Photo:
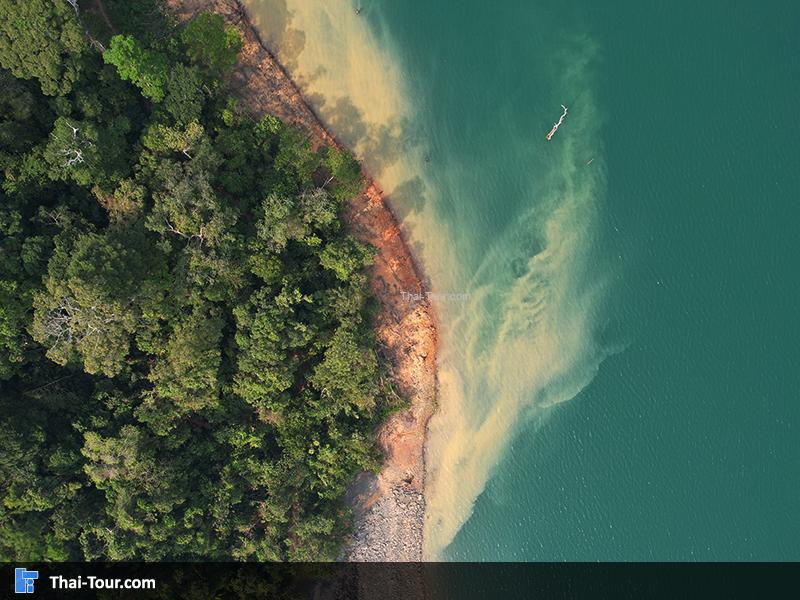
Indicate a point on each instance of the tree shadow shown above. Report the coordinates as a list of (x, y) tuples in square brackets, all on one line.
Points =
[(273, 21), (408, 198)]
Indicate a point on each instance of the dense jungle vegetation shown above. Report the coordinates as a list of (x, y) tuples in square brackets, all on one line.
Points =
[(187, 364)]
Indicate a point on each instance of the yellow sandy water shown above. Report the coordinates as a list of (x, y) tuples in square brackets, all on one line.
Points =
[(517, 344)]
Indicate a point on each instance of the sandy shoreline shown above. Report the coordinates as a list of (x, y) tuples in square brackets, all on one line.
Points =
[(389, 507)]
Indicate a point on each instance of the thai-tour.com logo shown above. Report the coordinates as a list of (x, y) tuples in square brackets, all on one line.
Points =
[(23, 580)]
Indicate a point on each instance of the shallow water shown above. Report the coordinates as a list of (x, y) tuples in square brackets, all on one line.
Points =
[(618, 365)]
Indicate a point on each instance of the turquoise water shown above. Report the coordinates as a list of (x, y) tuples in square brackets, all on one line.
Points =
[(621, 382)]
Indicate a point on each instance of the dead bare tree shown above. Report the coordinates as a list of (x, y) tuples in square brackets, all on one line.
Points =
[(69, 322), (200, 235), (74, 153), (53, 216), (75, 156), (92, 40)]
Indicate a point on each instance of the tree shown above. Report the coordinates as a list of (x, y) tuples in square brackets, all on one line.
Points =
[(187, 208), (280, 223), (184, 95), (126, 202), (85, 153), (347, 374), (15, 289), (88, 309), (13, 317), (310, 539), (210, 44), (145, 68), (42, 39), (72, 150), (188, 371), (161, 138), (142, 487), (295, 161), (39, 464), (335, 462), (345, 256), (22, 116), (346, 171), (270, 331)]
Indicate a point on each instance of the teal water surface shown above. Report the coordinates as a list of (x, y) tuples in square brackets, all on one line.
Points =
[(684, 445), (618, 308)]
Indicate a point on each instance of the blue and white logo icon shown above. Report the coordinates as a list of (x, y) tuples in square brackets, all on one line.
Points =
[(23, 580)]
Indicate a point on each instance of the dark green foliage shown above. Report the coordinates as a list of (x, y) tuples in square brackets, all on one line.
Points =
[(346, 171), (42, 39), (210, 44), (13, 318), (186, 365), (21, 116), (83, 152), (143, 19), (184, 99), (188, 372)]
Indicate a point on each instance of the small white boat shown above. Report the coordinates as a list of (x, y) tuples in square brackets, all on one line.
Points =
[(557, 125)]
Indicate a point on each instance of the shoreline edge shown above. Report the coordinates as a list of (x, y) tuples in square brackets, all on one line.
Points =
[(388, 507)]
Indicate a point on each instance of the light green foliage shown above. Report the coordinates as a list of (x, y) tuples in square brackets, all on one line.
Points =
[(270, 331), (346, 256), (146, 69), (188, 209), (346, 376), (125, 202), (301, 219), (177, 139), (210, 44), (140, 490), (188, 372), (118, 459), (311, 540), (41, 39), (280, 223)]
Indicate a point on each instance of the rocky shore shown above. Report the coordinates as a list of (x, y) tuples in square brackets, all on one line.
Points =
[(389, 506)]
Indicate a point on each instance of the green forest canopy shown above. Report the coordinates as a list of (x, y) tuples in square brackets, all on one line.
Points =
[(187, 367)]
